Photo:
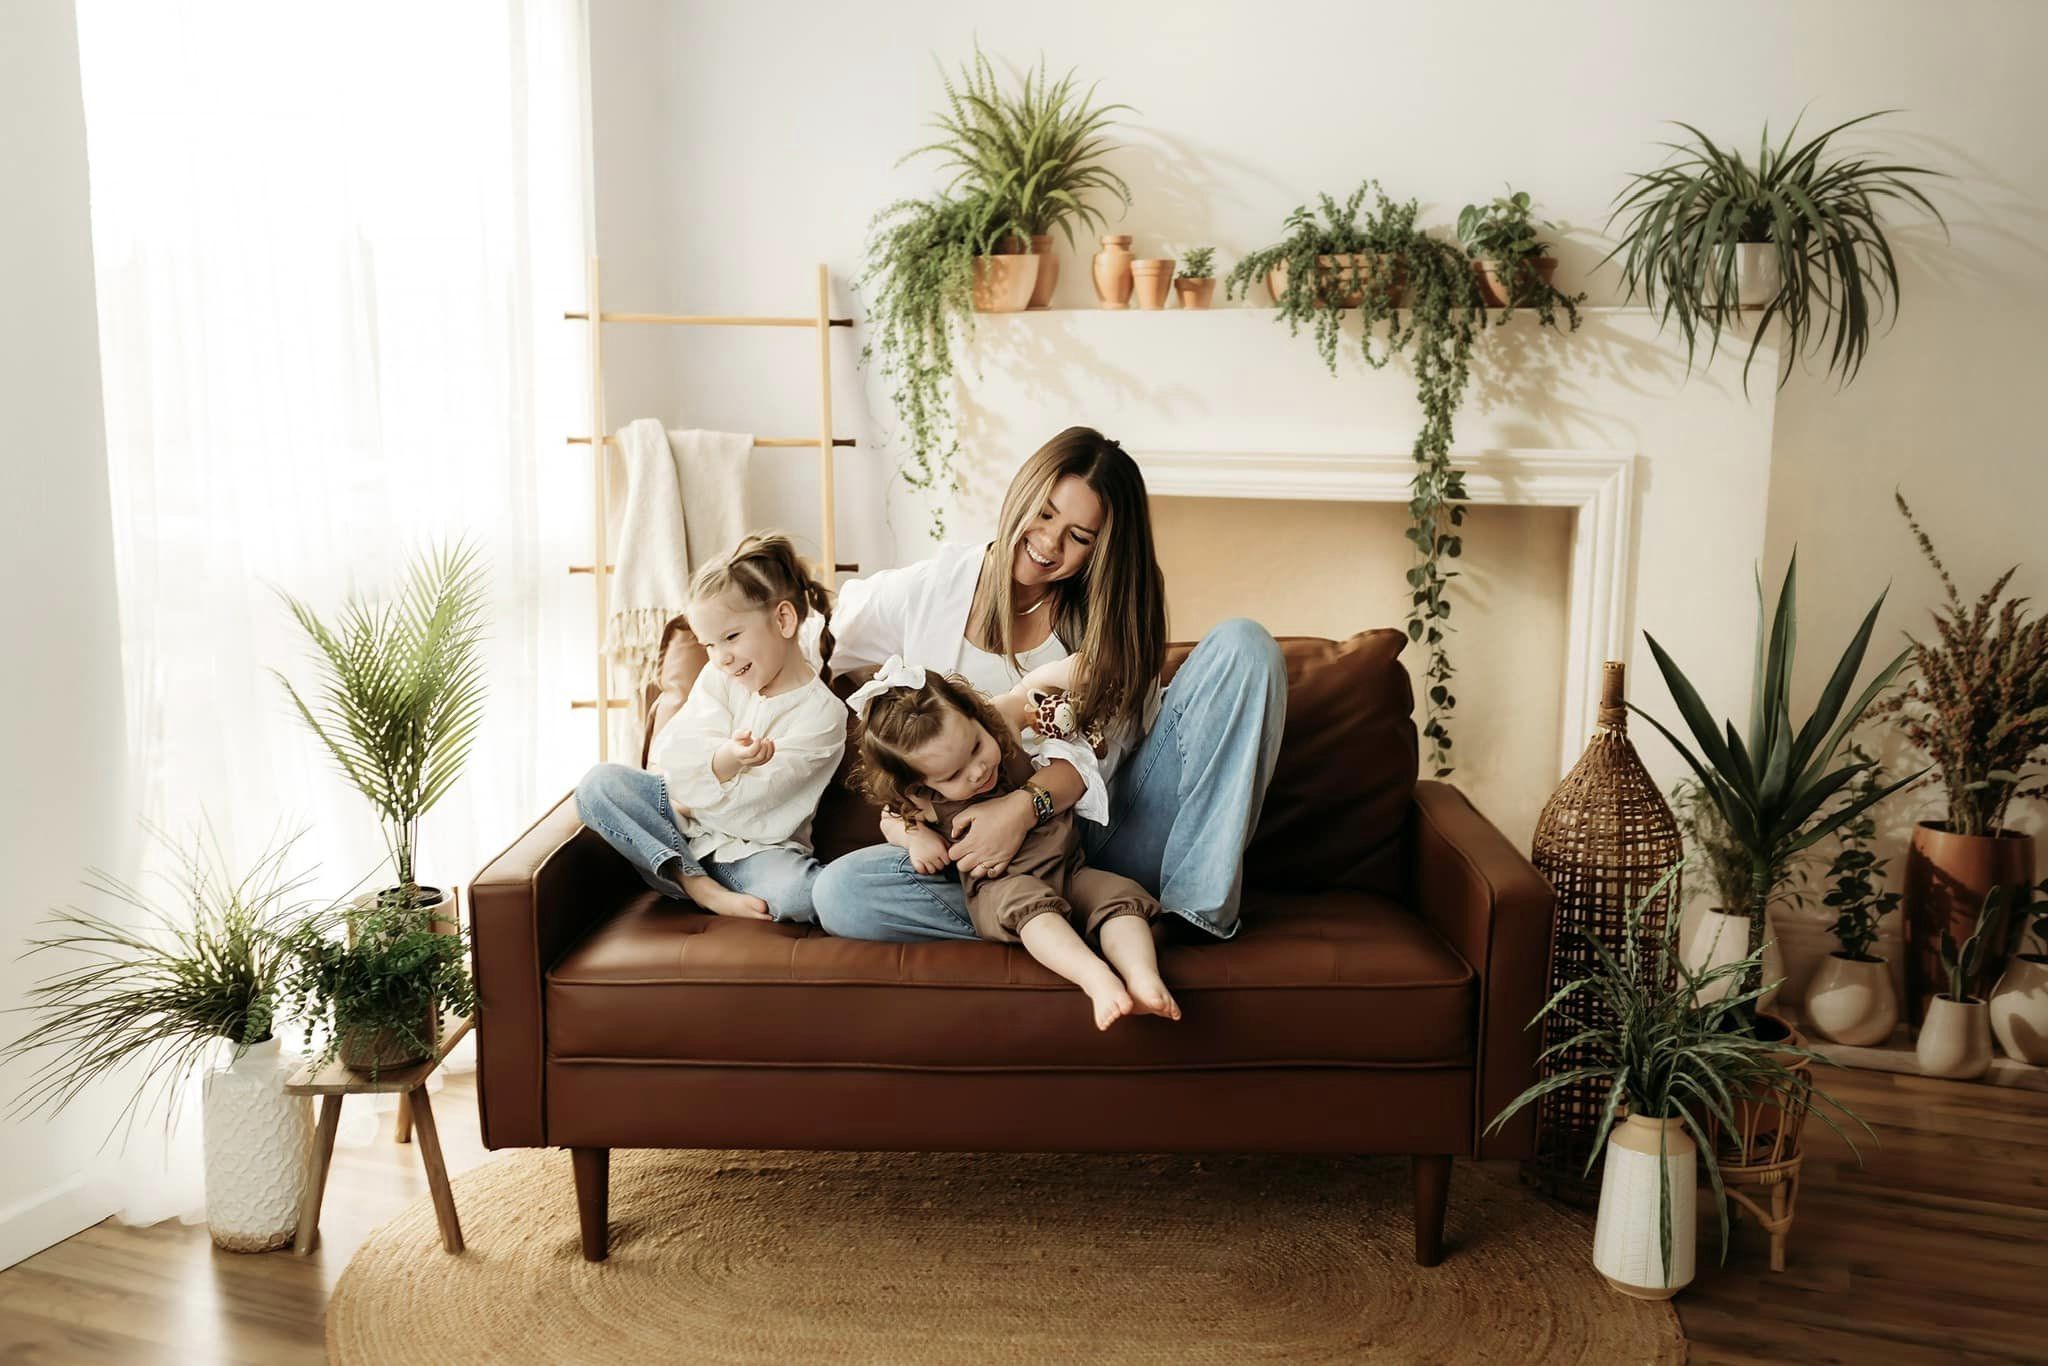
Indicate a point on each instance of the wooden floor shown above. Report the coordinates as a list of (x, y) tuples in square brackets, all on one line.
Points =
[(1935, 1251)]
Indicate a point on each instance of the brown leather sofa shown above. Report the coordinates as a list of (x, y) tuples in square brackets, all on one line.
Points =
[(1394, 947)]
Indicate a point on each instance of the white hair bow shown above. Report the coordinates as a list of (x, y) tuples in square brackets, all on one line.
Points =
[(894, 673)]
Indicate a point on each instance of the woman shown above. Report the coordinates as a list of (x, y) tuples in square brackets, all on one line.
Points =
[(1073, 570)]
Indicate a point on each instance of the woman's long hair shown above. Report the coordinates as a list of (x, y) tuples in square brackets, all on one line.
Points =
[(1113, 613), (763, 570)]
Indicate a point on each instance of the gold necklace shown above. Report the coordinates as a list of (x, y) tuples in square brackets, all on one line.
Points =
[(1045, 598)]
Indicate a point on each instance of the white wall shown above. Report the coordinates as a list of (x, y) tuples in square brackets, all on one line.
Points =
[(65, 804)]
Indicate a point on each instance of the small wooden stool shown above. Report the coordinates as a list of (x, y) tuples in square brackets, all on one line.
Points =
[(334, 1081)]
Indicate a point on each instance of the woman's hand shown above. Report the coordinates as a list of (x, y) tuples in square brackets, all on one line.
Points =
[(927, 849), (987, 836)]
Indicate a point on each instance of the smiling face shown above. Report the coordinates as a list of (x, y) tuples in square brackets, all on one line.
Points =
[(753, 646), (961, 762), (1059, 536)]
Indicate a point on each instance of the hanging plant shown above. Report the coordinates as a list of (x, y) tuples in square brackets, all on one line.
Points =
[(1413, 293)]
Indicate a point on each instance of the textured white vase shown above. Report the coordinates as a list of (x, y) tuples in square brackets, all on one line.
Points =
[(1757, 278), (1626, 1240), (1851, 1000), (1716, 937), (257, 1139), (2019, 1009), (1955, 1039)]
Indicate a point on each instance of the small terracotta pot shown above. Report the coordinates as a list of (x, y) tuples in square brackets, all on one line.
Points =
[(1048, 270), (1112, 272), (1851, 1000), (1152, 281), (2019, 1009), (1195, 293), (1955, 1041), (1003, 283), (1493, 284), (1947, 878)]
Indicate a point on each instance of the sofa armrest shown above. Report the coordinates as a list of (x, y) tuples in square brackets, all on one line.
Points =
[(528, 907), (1492, 906)]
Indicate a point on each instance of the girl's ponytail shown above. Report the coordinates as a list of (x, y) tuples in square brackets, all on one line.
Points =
[(764, 569)]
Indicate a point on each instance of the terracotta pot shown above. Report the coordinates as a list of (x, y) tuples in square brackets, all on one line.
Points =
[(1851, 1000), (1342, 280), (1947, 878), (1195, 293), (1626, 1246), (1152, 282), (1955, 1041), (2019, 1009), (1003, 283), (1048, 270), (1493, 284), (1112, 272), (1716, 937)]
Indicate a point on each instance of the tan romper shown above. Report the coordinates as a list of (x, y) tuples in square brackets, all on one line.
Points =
[(1045, 876)]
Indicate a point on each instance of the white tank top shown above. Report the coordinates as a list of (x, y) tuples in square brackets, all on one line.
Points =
[(991, 673)]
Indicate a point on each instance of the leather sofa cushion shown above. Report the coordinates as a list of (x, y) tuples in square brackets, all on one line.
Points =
[(1332, 978)]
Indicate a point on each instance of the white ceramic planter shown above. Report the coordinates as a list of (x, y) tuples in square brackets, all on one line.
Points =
[(1757, 278), (257, 1138), (1716, 937), (1955, 1039), (1851, 1000), (2019, 1009), (1626, 1242)]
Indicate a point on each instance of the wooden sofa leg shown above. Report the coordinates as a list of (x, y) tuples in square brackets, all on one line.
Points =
[(593, 1198), (1432, 1178)]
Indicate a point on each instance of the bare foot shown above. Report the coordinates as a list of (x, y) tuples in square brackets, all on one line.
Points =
[(719, 900), (1112, 1002), (1149, 996)]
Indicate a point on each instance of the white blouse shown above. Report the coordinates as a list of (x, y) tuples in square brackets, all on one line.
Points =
[(766, 807)]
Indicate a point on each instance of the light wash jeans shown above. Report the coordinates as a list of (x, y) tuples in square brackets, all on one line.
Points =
[(630, 808), (1181, 808)]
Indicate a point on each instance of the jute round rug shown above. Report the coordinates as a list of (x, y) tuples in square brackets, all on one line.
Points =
[(890, 1257)]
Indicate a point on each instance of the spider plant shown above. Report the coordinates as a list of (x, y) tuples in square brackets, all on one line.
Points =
[(1769, 791), (1037, 153), (155, 990), (1688, 220), (402, 692), (1665, 1049)]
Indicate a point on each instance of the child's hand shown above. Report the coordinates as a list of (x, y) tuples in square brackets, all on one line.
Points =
[(743, 751), (928, 852)]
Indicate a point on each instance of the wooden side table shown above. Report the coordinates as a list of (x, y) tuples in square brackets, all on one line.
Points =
[(334, 1081)]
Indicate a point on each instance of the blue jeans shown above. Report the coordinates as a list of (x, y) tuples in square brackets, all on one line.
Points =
[(1181, 808), (631, 809)]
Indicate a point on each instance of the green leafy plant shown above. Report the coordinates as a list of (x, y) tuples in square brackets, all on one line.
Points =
[(161, 986), (1983, 954), (1978, 703), (1856, 872), (1712, 850), (1200, 264), (1769, 791), (1687, 221), (1506, 236), (1664, 1048), (395, 974), (1037, 153), (401, 692)]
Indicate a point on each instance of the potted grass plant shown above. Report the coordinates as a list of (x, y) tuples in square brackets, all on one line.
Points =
[(1851, 998), (2019, 1003), (401, 693), (1196, 283), (381, 977), (1799, 235), (160, 989), (1655, 1037), (1977, 707), (1955, 1038), (1515, 266)]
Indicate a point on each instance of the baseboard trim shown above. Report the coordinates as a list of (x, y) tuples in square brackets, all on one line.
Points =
[(28, 1226)]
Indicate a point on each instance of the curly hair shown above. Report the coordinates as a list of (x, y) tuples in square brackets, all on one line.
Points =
[(763, 570), (905, 719)]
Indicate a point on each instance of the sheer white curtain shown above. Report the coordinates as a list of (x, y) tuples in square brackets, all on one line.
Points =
[(333, 243)]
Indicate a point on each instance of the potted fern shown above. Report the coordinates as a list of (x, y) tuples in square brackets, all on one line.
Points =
[(1798, 235), (1515, 266), (2019, 1003), (1955, 1039), (401, 694), (1851, 998), (382, 977), (189, 984)]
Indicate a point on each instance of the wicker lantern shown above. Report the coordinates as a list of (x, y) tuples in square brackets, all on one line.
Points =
[(1604, 839)]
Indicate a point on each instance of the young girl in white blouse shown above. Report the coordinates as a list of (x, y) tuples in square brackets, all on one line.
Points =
[(722, 813)]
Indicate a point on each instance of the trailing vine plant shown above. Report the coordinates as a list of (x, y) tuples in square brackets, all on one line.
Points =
[(1413, 293)]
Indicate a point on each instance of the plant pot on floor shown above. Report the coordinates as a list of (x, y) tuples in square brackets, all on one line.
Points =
[(257, 1138), (1947, 878), (1850, 1000), (1627, 1239), (1048, 270), (1955, 1039), (1716, 938), (2019, 1009), (1003, 283)]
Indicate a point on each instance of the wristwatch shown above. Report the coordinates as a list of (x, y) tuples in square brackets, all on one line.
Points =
[(1041, 804)]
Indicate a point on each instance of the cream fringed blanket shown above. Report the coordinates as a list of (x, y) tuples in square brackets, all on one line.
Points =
[(681, 501)]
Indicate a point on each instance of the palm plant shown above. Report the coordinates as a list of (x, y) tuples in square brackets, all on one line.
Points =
[(1769, 791), (156, 990), (1688, 220), (402, 693), (1664, 1048)]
